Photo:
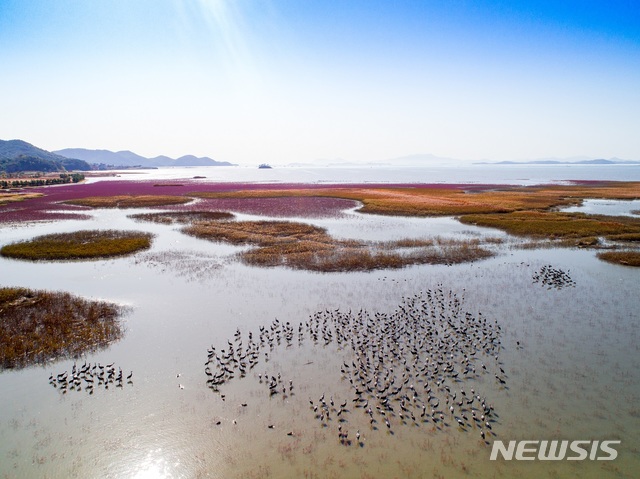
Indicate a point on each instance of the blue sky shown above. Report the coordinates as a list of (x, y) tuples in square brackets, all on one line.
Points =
[(283, 81)]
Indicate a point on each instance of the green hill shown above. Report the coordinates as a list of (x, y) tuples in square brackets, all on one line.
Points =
[(18, 155)]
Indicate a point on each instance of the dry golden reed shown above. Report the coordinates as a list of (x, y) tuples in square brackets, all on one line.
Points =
[(14, 197), (129, 201), (79, 245), (553, 224), (303, 246), (626, 258), (37, 326), (182, 217)]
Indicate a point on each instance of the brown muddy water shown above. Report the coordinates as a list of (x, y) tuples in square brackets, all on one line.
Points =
[(569, 358)]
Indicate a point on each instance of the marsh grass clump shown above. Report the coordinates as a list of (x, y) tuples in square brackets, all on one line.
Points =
[(325, 258), (462, 251), (625, 258), (129, 201), (626, 237), (183, 217), (553, 224), (261, 233), (569, 229), (587, 241), (79, 245), (6, 198), (36, 326), (303, 246), (409, 243)]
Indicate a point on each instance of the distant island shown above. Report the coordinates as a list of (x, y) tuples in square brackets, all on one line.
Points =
[(599, 161), (264, 166)]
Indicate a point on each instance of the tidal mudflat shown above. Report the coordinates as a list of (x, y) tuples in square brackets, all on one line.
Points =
[(247, 371)]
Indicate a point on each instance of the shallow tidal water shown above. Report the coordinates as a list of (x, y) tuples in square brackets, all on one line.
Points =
[(570, 355)]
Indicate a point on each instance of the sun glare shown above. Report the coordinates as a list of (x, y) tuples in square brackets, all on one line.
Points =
[(152, 467)]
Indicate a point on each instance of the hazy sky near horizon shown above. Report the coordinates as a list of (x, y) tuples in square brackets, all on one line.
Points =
[(281, 81)]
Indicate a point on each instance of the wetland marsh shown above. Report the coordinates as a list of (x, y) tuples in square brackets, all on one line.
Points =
[(250, 371)]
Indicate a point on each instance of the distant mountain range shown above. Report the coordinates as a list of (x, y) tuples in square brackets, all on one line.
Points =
[(130, 159), (428, 160), (18, 155), (554, 161)]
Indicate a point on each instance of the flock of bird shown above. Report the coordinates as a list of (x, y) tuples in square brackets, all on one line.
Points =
[(412, 367), (89, 376), (409, 367), (419, 365), (553, 277)]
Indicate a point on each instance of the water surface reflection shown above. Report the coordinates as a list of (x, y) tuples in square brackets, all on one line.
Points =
[(574, 374)]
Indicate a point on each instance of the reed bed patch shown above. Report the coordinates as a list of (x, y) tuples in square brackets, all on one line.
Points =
[(261, 233), (434, 202), (409, 243), (307, 247), (182, 217), (584, 242), (6, 198), (626, 237), (37, 326), (79, 245), (537, 244), (552, 224), (626, 258), (129, 201), (606, 190), (493, 240)]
